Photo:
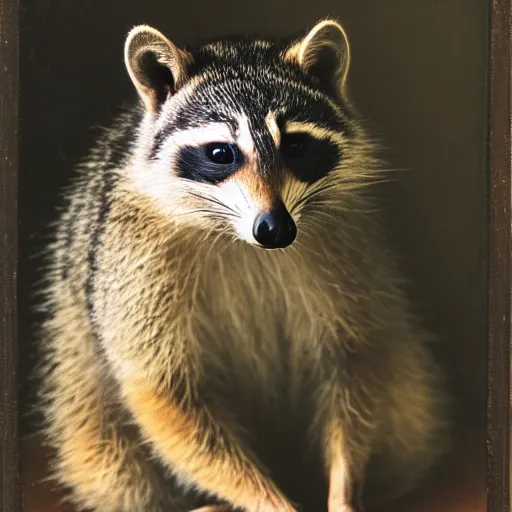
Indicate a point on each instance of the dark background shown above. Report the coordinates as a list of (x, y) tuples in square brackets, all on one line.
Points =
[(418, 77)]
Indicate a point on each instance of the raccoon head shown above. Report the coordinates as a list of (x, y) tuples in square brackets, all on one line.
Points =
[(248, 137)]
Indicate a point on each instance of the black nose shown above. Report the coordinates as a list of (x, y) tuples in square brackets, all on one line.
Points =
[(275, 229)]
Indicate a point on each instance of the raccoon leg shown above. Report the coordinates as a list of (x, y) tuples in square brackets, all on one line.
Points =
[(203, 449), (346, 410), (414, 424), (344, 496), (340, 492), (101, 466), (345, 476), (385, 423)]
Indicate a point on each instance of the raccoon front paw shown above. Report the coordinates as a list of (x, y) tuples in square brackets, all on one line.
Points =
[(271, 502), (343, 497), (268, 498), (263, 507), (342, 506), (213, 508), (346, 508), (272, 506)]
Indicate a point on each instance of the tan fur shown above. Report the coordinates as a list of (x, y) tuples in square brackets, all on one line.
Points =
[(340, 471), (95, 456), (259, 191), (161, 374), (214, 508), (271, 123), (178, 439)]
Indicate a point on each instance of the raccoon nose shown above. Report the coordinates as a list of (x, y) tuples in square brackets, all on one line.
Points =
[(275, 229)]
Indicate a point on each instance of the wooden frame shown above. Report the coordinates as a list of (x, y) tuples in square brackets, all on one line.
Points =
[(499, 270), (499, 164), (9, 100)]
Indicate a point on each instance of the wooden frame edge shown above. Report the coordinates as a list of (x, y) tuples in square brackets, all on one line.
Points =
[(499, 352), (500, 247), (9, 126)]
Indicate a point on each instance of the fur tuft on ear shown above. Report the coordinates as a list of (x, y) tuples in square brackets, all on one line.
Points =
[(156, 66), (325, 54)]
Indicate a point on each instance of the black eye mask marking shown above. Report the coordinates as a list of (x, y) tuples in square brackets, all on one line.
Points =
[(211, 163), (307, 157)]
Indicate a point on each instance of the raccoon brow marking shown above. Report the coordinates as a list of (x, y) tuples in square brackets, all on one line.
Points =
[(314, 130), (172, 128), (273, 127)]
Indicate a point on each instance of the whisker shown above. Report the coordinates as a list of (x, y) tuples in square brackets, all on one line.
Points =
[(212, 213), (342, 185), (311, 194), (212, 200), (244, 196)]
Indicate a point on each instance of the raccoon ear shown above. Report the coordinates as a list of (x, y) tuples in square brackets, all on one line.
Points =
[(156, 66), (324, 53)]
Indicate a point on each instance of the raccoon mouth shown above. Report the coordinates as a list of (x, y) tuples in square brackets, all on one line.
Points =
[(275, 229)]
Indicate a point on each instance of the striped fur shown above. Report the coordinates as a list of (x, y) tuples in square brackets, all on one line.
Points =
[(184, 366)]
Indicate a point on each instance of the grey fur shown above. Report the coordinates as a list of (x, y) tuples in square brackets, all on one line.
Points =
[(155, 290)]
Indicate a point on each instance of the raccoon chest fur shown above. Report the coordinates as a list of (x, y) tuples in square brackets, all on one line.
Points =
[(221, 302), (260, 319)]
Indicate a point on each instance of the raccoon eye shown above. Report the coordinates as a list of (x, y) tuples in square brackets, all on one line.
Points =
[(221, 153), (295, 145)]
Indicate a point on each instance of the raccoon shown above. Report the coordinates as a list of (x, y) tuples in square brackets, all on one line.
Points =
[(227, 327)]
